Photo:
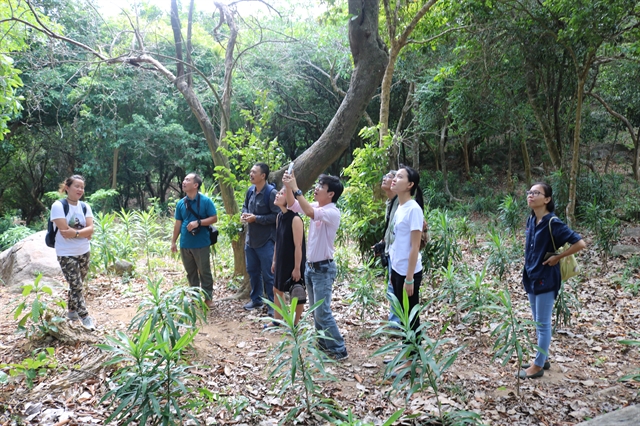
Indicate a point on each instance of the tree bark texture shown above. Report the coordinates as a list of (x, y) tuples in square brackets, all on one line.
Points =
[(370, 59)]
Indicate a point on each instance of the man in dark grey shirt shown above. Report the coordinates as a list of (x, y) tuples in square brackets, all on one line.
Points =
[(259, 213)]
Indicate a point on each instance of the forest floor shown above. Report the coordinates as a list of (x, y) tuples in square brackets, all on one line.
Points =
[(233, 354)]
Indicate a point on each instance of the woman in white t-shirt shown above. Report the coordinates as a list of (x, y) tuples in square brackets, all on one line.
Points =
[(74, 230), (406, 262)]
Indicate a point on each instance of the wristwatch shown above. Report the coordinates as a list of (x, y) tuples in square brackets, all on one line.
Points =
[(297, 193), (77, 234)]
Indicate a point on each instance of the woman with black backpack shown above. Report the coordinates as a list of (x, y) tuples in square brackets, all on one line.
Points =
[(73, 228)]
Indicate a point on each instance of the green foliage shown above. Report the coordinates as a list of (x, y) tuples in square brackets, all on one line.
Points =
[(363, 217), (31, 368), (170, 312), (10, 105), (509, 332), (630, 278), (149, 384), (250, 145), (450, 290), (102, 199), (103, 242), (502, 253), (146, 231), (364, 290), (477, 295), (442, 248), (566, 303), (635, 376), (510, 214), (604, 225), (37, 317), (297, 365), (419, 360), (14, 234)]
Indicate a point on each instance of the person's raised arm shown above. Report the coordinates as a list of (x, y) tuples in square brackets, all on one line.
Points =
[(290, 181)]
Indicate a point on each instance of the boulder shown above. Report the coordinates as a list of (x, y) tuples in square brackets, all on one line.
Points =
[(621, 250), (628, 416), (122, 267), (631, 232), (20, 264)]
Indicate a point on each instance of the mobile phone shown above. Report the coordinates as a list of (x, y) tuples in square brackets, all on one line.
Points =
[(290, 169)]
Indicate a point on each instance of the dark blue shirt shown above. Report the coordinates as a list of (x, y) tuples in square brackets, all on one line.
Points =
[(538, 244), (205, 208), (261, 205)]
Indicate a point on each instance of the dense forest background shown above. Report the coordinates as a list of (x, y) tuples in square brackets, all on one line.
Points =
[(477, 95)]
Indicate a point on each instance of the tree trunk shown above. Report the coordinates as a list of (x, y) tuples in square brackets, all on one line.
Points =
[(442, 148), (575, 152), (370, 60), (525, 159), (114, 168), (465, 154)]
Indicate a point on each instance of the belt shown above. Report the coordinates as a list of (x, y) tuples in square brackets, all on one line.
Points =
[(315, 265)]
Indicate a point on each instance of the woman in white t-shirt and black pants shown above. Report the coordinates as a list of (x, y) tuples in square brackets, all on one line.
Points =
[(75, 228), (406, 262)]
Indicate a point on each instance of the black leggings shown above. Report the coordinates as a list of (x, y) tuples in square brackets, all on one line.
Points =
[(397, 281)]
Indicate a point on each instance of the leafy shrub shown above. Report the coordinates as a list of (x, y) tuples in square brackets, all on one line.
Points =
[(36, 310), (442, 248), (297, 366), (363, 206), (13, 235), (510, 214), (604, 225), (31, 368), (420, 361)]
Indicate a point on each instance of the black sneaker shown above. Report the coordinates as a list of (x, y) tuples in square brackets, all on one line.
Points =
[(251, 306), (339, 356)]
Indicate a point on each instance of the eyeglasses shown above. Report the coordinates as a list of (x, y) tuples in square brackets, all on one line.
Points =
[(534, 193), (388, 176)]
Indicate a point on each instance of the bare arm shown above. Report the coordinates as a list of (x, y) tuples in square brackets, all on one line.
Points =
[(413, 259), (553, 260), (298, 231), (290, 181), (176, 233)]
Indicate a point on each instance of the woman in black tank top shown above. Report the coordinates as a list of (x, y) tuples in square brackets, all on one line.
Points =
[(289, 254)]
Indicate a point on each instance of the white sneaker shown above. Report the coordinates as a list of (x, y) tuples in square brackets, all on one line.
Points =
[(89, 323), (73, 316)]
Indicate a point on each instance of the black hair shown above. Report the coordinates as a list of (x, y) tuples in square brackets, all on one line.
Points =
[(265, 169), (414, 176), (197, 179), (68, 182), (333, 185), (548, 192)]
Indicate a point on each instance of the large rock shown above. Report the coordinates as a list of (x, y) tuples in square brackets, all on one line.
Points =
[(20, 264), (628, 416), (631, 232), (622, 250)]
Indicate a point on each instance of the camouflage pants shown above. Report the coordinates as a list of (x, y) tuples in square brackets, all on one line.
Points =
[(75, 270)]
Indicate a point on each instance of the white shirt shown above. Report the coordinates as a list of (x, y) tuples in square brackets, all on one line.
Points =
[(408, 217), (76, 219), (322, 230)]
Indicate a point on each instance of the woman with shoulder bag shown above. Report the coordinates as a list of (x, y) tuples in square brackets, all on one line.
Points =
[(541, 275)]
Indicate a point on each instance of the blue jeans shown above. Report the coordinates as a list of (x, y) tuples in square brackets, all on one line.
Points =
[(319, 283), (259, 269), (392, 316), (542, 308)]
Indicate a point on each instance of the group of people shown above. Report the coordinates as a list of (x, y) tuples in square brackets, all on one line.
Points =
[(279, 258)]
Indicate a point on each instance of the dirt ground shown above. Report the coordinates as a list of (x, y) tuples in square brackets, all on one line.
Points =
[(233, 353)]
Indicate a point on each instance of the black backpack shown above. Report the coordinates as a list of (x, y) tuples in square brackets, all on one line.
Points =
[(50, 238)]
